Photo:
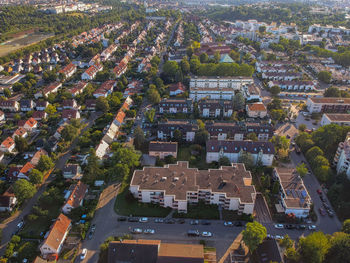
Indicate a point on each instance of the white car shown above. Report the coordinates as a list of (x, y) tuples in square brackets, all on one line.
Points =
[(143, 220), (228, 223), (207, 234), (20, 224), (279, 226), (149, 231), (83, 254), (278, 237), (137, 231), (312, 227)]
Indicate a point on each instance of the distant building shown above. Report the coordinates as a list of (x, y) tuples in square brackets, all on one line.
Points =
[(337, 118), (342, 157), (177, 185), (331, 105), (173, 106), (162, 149)]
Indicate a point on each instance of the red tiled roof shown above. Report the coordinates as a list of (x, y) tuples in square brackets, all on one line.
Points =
[(57, 232), (77, 194), (27, 168), (8, 142), (20, 132), (31, 122), (257, 107)]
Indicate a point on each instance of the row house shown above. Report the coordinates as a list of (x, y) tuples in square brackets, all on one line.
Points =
[(78, 88), (162, 149), (173, 106), (52, 88), (121, 68), (293, 84), (275, 64), (70, 104), (176, 186), (91, 72), (27, 105), (30, 125), (329, 104), (165, 130), (134, 88), (41, 105), (215, 108), (105, 89), (261, 152), (272, 69), (68, 71), (95, 60), (341, 119), (39, 115), (281, 76), (9, 105), (238, 131), (107, 53)]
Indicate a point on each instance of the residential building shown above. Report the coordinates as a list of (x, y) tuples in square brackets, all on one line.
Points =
[(105, 89), (27, 105), (70, 114), (9, 105), (8, 200), (298, 85), (70, 104), (156, 251), (238, 131), (101, 149), (78, 88), (8, 145), (294, 197), (20, 132), (256, 110), (217, 88), (261, 152), (52, 88), (91, 72), (2, 116), (332, 105), (176, 89), (52, 245), (74, 197), (30, 125), (68, 71), (165, 130), (337, 118), (215, 108), (25, 170), (162, 149), (39, 115), (177, 185), (251, 92), (72, 171), (342, 157), (173, 106), (41, 105)]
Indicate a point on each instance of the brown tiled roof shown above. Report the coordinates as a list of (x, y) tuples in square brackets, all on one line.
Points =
[(57, 232), (338, 117), (178, 179), (237, 146), (27, 168), (184, 253), (257, 107), (37, 156), (69, 113), (77, 194), (177, 86), (158, 146)]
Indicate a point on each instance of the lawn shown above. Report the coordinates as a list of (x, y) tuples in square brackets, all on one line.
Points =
[(184, 154), (200, 211), (127, 206)]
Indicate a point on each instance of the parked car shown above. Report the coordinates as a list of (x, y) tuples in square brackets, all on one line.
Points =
[(149, 231), (93, 228), (206, 222), (289, 226), (312, 227), (143, 220), (279, 226), (181, 221), (322, 211), (319, 191), (90, 236), (238, 223), (193, 233), (330, 212), (123, 218), (133, 219), (20, 224), (136, 231), (83, 254), (194, 222), (207, 234), (169, 221), (158, 220), (301, 227), (228, 223)]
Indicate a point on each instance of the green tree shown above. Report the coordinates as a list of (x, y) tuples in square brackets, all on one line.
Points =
[(177, 136), (170, 70), (45, 163), (23, 190), (346, 226), (21, 144), (217, 57), (302, 169), (102, 104), (195, 64), (92, 170), (253, 235), (35, 176), (339, 250), (287, 242), (119, 171), (203, 57), (275, 90), (50, 110), (185, 66), (332, 92), (153, 95), (314, 247), (304, 141), (69, 132), (224, 161), (302, 127), (247, 159), (252, 136), (139, 137), (150, 114), (312, 153), (238, 101), (234, 55), (325, 76), (262, 29)]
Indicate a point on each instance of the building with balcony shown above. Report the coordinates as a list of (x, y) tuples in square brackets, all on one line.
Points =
[(330, 105), (177, 185), (342, 157)]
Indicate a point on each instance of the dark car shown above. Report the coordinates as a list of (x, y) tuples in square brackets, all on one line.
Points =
[(301, 227), (289, 226), (181, 221), (238, 223), (322, 211), (194, 222), (158, 220), (122, 218), (133, 219), (90, 236), (193, 233), (206, 222), (169, 221)]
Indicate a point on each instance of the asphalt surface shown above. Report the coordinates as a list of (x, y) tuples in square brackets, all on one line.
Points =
[(10, 226)]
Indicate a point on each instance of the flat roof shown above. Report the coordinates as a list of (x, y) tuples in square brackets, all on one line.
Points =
[(338, 117)]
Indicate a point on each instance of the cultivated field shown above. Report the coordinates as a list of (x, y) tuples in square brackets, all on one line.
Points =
[(21, 42)]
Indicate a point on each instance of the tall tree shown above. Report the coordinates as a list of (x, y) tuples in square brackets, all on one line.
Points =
[(314, 247), (139, 138), (45, 163), (23, 190), (238, 101), (253, 235)]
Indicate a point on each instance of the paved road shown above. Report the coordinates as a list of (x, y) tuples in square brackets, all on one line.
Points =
[(327, 224), (10, 225)]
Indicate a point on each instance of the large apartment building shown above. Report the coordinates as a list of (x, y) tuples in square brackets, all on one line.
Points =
[(342, 157), (177, 185), (217, 88), (334, 105), (294, 197), (261, 152)]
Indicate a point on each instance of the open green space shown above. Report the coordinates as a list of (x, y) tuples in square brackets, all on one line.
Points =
[(185, 153), (200, 211)]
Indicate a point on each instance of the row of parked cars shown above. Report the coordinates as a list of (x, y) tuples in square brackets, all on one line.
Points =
[(161, 220), (291, 226), (326, 207)]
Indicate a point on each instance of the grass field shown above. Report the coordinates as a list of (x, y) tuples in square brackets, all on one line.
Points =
[(21, 42)]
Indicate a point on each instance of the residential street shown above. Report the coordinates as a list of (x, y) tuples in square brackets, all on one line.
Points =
[(10, 225)]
